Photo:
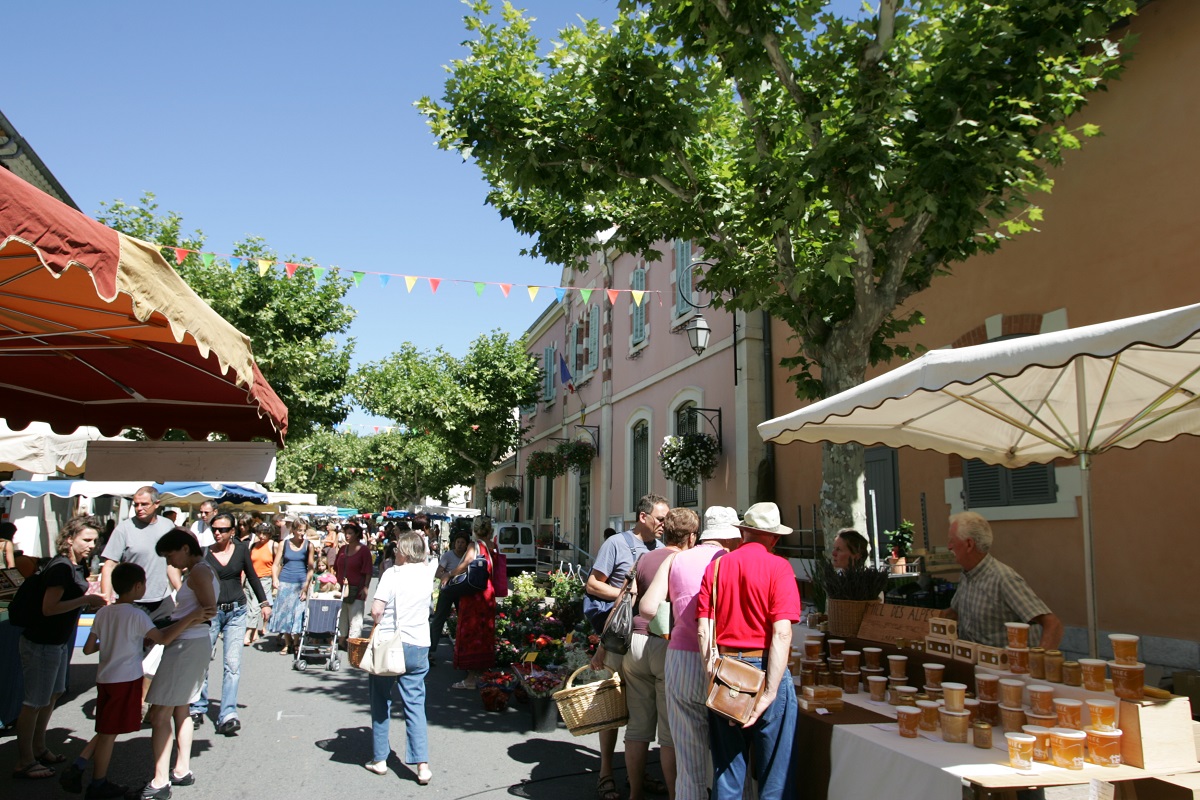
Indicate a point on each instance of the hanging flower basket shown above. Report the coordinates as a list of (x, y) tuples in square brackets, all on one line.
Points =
[(576, 454), (545, 464), (689, 458), (505, 494)]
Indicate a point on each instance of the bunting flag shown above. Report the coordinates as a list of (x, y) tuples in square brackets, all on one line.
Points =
[(290, 269), (263, 266), (234, 263), (533, 290), (433, 284), (358, 276), (564, 374), (318, 273), (559, 293), (410, 282), (637, 295), (612, 296), (383, 280), (180, 254), (586, 294), (506, 288), (479, 288), (208, 259)]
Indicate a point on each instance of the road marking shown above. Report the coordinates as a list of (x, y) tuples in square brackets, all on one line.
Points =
[(280, 716)]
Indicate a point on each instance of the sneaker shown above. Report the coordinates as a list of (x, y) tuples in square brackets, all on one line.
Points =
[(229, 727), (150, 793), (183, 780), (105, 791), (197, 720), (378, 767), (71, 779)]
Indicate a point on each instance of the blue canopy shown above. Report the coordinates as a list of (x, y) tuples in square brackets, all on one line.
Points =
[(177, 490)]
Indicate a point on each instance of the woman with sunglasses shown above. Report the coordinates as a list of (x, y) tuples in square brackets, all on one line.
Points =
[(230, 559)]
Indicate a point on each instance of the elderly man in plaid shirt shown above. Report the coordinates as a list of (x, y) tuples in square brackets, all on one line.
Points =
[(992, 593)]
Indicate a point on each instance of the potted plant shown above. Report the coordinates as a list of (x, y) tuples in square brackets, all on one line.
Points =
[(505, 494), (849, 592), (576, 454), (689, 458), (901, 540), (544, 464)]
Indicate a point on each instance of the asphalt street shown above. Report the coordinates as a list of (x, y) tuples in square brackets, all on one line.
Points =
[(308, 734)]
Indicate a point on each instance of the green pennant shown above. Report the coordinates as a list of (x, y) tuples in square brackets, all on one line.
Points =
[(479, 288), (586, 294), (207, 258), (358, 277), (318, 273)]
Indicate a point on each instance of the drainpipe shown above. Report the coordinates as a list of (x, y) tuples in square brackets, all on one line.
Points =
[(768, 401)]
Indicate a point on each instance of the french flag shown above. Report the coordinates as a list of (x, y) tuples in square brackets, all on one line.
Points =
[(564, 374)]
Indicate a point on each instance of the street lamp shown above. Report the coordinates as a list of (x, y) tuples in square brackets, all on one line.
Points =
[(698, 331), (698, 334)]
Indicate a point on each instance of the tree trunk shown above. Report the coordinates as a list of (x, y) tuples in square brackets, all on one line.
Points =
[(843, 361), (479, 497)]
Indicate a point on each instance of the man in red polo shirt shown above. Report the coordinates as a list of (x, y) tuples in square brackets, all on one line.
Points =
[(757, 604)]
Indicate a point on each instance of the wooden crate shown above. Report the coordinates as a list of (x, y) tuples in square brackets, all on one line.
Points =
[(965, 651), (1158, 734), (938, 646)]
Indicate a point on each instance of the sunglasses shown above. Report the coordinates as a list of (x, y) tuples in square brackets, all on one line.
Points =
[(221, 530)]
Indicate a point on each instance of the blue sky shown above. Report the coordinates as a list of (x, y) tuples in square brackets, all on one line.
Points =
[(292, 121)]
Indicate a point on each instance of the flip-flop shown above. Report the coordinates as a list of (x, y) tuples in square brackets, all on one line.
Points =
[(34, 771), (463, 685), (46, 757)]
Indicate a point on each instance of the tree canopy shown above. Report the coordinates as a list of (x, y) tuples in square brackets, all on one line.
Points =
[(467, 404), (291, 322), (830, 167)]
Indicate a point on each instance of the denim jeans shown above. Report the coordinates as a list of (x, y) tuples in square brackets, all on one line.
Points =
[(770, 739), (233, 625), (412, 701)]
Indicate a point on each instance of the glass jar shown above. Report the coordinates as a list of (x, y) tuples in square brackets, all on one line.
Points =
[(1037, 663), (1072, 673), (1054, 663), (981, 735)]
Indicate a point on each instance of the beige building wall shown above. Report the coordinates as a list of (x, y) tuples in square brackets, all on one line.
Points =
[(1121, 236)]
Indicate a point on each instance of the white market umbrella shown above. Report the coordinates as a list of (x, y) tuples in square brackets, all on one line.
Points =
[(38, 449), (1072, 393)]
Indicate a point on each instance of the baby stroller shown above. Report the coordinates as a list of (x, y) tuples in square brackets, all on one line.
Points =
[(318, 639)]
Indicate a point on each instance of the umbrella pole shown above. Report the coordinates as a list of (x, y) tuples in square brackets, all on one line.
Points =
[(1089, 565)]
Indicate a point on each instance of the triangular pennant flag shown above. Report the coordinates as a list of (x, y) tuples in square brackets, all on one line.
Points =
[(318, 273), (180, 254), (207, 258), (410, 282), (433, 284), (559, 293), (637, 296), (290, 268), (234, 263), (479, 288), (263, 266), (612, 296), (506, 288), (533, 290), (358, 276), (383, 280), (586, 294)]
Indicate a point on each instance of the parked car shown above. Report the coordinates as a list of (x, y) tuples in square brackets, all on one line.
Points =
[(516, 541)]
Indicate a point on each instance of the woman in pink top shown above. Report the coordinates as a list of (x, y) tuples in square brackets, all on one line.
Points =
[(687, 686)]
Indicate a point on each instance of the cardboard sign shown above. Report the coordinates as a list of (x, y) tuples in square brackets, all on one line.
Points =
[(886, 623), (530, 657)]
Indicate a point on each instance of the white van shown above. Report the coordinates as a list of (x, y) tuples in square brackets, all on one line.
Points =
[(515, 540)]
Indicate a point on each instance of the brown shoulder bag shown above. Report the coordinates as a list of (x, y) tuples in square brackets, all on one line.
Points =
[(735, 685)]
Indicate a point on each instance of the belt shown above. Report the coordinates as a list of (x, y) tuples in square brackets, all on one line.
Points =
[(230, 606), (736, 651)]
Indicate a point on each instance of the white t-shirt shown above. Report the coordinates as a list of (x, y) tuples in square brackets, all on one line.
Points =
[(120, 628), (203, 533), (405, 588), (186, 602)]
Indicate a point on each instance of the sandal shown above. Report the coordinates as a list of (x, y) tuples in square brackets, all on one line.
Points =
[(46, 757), (470, 687), (606, 788), (652, 785), (34, 771)]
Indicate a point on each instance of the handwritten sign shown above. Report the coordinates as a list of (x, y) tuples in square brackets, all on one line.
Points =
[(884, 622)]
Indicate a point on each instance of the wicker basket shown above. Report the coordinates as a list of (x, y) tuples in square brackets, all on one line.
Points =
[(845, 616), (355, 648), (593, 706)]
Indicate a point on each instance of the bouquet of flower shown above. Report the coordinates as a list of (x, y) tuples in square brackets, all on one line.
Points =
[(576, 454), (689, 458), (543, 684), (545, 464)]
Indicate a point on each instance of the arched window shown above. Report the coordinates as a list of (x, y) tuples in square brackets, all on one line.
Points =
[(639, 461), (685, 422)]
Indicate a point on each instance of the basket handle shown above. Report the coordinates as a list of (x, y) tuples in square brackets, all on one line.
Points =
[(571, 680)]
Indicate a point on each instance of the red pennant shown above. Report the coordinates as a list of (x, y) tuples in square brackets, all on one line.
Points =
[(433, 284), (506, 288), (291, 269), (377, 429), (180, 254), (474, 427), (612, 296)]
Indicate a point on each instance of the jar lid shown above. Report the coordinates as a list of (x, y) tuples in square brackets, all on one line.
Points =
[(1037, 649), (1054, 652), (981, 724), (1070, 663)]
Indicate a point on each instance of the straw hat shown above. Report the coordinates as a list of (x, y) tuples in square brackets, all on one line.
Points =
[(720, 522), (764, 518)]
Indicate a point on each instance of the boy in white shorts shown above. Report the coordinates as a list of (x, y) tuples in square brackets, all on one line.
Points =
[(118, 632)]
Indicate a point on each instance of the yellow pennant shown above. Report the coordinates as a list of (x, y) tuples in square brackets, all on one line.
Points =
[(637, 296), (263, 266), (410, 282), (533, 290)]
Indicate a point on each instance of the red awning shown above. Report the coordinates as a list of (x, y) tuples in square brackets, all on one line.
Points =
[(96, 328)]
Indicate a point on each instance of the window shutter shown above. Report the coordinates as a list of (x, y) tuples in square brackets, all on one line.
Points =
[(683, 277), (548, 374), (639, 484), (984, 484), (990, 486), (638, 283), (1033, 485), (594, 337), (572, 349)]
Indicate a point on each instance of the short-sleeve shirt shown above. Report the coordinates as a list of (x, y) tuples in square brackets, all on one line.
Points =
[(618, 554), (133, 542), (120, 628), (755, 590), (404, 589), (687, 571), (990, 595), (647, 568), (59, 628), (449, 561)]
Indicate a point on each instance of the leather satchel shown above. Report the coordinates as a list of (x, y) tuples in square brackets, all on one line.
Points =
[(735, 685)]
